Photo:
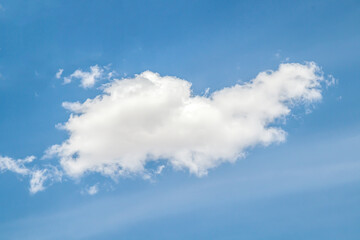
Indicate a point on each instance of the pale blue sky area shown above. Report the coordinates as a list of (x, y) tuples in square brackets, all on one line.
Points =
[(305, 188)]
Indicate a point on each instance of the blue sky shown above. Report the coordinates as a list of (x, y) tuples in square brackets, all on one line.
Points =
[(305, 187)]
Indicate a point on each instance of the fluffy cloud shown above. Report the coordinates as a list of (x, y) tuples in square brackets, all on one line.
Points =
[(87, 79), (37, 177), (150, 118)]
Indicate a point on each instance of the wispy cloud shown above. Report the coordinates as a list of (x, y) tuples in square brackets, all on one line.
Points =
[(59, 73), (87, 79), (16, 166), (92, 190), (37, 177)]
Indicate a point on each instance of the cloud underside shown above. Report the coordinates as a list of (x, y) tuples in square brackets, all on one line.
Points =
[(150, 119)]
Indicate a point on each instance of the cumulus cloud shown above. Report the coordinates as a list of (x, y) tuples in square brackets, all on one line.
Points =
[(87, 79), (152, 119), (37, 177)]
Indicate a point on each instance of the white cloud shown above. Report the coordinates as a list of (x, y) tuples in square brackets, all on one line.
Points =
[(40, 176), (149, 117), (92, 190), (87, 79), (159, 169), (37, 177), (16, 166), (37, 181), (59, 73)]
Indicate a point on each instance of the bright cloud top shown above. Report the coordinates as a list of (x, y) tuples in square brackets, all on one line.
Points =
[(150, 118)]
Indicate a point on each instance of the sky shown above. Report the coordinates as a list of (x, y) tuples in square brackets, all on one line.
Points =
[(179, 119)]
